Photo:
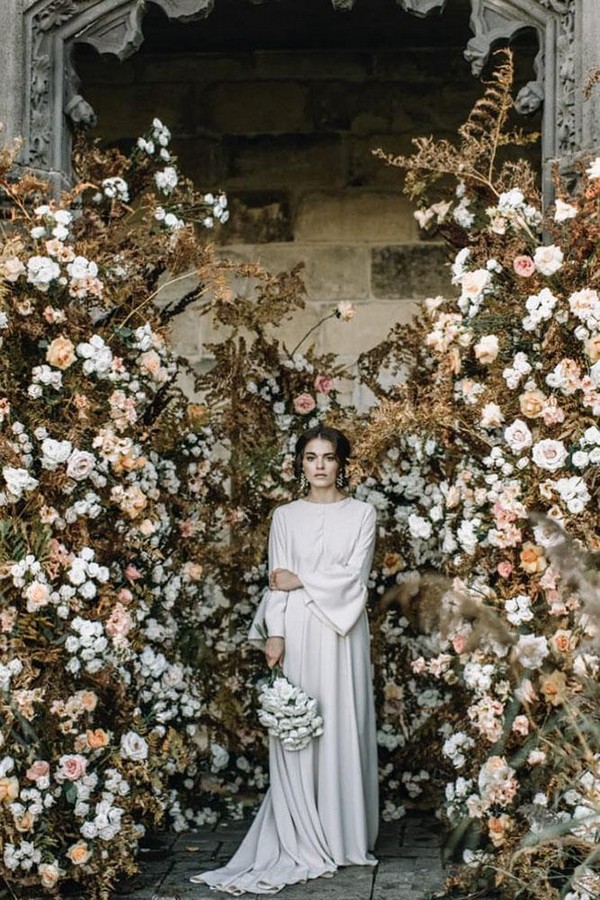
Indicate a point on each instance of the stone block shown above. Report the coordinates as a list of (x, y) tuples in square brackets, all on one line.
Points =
[(331, 272), (200, 68), (370, 325), (259, 107), (138, 105), (313, 65), (13, 69), (355, 215), (95, 69), (420, 66), (363, 169), (336, 105), (284, 161), (258, 217), (202, 160), (410, 271)]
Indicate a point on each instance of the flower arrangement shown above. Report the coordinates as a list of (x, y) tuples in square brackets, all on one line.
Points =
[(504, 379), (99, 470), (288, 713)]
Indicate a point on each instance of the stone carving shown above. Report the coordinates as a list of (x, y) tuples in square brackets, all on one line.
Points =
[(115, 27), (421, 7)]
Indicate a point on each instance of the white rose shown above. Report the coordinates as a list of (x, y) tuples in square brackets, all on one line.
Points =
[(474, 283), (549, 454), (564, 211), (548, 260), (55, 453), (419, 527), (531, 651), (18, 481), (593, 171), (486, 349), (491, 416), (133, 746), (80, 464), (518, 436)]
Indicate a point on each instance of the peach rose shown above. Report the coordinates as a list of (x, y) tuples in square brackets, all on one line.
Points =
[(38, 769), (486, 349), (152, 364), (323, 384), (553, 687), (524, 266), (25, 822), (38, 595), (61, 353), (97, 739), (304, 404), (532, 403), (12, 268), (563, 641), (532, 558), (498, 828), (119, 624), (88, 700), (79, 853), (9, 789), (193, 570), (49, 874)]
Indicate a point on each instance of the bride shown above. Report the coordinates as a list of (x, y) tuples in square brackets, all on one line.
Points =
[(321, 810)]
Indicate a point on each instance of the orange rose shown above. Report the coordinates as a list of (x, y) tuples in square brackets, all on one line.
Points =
[(9, 789), (61, 353), (563, 641), (553, 687), (498, 827), (25, 822), (79, 853), (88, 700), (532, 403), (97, 739), (532, 558)]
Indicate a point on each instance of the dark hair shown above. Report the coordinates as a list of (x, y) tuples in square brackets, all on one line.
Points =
[(339, 441)]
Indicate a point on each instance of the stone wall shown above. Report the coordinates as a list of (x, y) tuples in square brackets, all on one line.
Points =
[(289, 133)]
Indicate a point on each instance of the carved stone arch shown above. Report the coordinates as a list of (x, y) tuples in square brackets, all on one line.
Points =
[(53, 27)]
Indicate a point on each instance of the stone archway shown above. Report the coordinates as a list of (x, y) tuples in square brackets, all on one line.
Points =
[(53, 101)]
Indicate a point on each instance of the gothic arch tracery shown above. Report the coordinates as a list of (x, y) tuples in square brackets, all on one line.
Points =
[(114, 27)]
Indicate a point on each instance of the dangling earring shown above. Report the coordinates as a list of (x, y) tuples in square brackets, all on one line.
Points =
[(303, 482), (340, 478)]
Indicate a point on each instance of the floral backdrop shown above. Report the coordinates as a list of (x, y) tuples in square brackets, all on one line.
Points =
[(134, 519)]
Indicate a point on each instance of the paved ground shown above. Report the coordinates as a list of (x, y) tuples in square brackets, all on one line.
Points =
[(408, 852)]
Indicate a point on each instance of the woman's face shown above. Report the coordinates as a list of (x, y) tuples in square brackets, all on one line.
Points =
[(319, 463)]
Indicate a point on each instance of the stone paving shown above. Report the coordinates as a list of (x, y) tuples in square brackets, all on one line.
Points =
[(408, 851)]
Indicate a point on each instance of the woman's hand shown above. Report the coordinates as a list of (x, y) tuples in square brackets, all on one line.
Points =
[(283, 580), (274, 651)]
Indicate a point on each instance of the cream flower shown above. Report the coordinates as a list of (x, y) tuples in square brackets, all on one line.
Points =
[(593, 170), (548, 260), (564, 211), (491, 416), (518, 436), (486, 349), (61, 353)]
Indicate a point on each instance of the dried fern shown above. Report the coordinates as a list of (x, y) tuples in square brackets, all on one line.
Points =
[(474, 159)]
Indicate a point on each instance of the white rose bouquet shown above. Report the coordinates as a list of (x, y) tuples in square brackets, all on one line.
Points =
[(288, 712)]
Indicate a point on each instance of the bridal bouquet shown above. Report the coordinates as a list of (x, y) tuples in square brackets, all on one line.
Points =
[(288, 712)]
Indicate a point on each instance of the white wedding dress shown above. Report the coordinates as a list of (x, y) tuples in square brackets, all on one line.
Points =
[(321, 810)]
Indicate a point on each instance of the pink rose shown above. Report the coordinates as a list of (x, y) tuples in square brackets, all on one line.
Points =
[(304, 404), (459, 643), (72, 767), (38, 769), (524, 266), (521, 725), (119, 624), (323, 384), (504, 568), (131, 573)]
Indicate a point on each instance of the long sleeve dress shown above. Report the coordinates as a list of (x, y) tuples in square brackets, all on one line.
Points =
[(321, 810)]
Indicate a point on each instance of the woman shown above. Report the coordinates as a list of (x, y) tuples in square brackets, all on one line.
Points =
[(321, 810)]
